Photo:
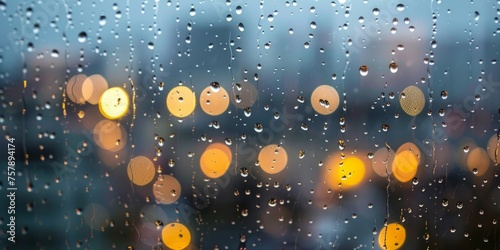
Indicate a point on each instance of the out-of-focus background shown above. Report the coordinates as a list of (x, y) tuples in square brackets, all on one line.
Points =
[(299, 125)]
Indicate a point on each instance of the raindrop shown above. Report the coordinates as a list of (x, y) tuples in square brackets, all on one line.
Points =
[(102, 20), (54, 53), (393, 67), (363, 70), (400, 7), (272, 202), (239, 10), (247, 111), (82, 37), (302, 154), (241, 27), (444, 202), (192, 12), (444, 94), (215, 86), (258, 127), (466, 149), (376, 11)]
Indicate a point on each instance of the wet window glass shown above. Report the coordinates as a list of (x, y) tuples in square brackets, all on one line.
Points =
[(250, 124)]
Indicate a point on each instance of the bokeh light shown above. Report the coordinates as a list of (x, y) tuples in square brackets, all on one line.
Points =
[(382, 161), (493, 148), (214, 102), (325, 99), (93, 87), (273, 159), (181, 101), (166, 189), (74, 88), (110, 135), (344, 173), (176, 236), (141, 170), (214, 162), (392, 236), (243, 94), (114, 103), (412, 100), (478, 161), (405, 163)]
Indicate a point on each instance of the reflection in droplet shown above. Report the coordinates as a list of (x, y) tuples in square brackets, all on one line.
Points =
[(82, 37), (363, 70), (393, 67)]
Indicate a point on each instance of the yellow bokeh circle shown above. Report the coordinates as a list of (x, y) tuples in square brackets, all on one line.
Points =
[(214, 102), (392, 236), (406, 161), (114, 103), (110, 135), (478, 161), (141, 170), (223, 147), (214, 162), (181, 101), (176, 236), (347, 173), (166, 189), (325, 99), (273, 159), (412, 100)]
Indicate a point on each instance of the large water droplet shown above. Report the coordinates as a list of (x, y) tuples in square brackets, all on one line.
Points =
[(82, 37), (363, 70)]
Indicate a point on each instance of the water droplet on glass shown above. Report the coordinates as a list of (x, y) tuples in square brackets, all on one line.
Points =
[(82, 37), (258, 127), (363, 70), (239, 10), (54, 53), (376, 11), (393, 67), (400, 7), (302, 154), (272, 202), (444, 94)]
